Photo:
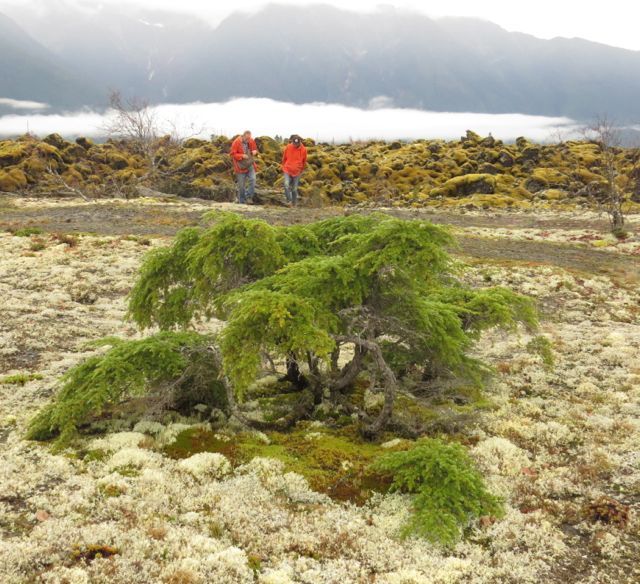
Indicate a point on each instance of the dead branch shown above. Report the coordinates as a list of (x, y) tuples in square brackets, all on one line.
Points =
[(70, 190)]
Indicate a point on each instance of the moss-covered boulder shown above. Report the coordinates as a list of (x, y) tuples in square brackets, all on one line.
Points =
[(488, 168), (36, 166), (463, 186), (470, 167), (194, 143), (55, 140), (488, 142), (505, 159), (117, 161), (72, 152), (534, 185), (73, 176), (268, 145), (85, 143), (530, 154), (219, 164), (543, 178), (12, 180), (471, 137), (12, 152)]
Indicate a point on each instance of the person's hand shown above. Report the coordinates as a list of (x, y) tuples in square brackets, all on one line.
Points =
[(254, 152), (245, 156)]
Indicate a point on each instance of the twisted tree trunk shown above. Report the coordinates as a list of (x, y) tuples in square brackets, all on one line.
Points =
[(390, 385)]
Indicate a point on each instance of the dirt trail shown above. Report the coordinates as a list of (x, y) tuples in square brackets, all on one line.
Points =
[(161, 219)]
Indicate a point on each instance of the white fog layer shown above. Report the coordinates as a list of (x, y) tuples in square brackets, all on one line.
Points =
[(320, 121)]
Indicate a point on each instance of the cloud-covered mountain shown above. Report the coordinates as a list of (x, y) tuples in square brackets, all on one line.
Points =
[(135, 51), (30, 72), (321, 53)]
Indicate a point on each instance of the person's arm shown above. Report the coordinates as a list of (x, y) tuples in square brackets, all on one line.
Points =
[(237, 153), (254, 147), (304, 158), (284, 155)]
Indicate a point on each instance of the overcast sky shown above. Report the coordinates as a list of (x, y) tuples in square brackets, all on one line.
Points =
[(614, 22)]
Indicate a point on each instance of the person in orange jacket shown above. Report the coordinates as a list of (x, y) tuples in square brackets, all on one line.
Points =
[(294, 160), (243, 151)]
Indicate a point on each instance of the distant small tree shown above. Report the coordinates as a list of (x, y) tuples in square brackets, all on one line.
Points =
[(611, 197), (134, 121), (333, 300)]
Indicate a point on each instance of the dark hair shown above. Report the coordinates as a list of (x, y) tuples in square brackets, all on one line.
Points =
[(295, 138)]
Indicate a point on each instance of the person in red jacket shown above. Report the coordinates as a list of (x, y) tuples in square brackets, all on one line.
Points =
[(294, 160), (243, 150)]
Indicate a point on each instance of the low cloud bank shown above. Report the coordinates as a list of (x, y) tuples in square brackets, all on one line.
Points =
[(21, 104), (321, 121)]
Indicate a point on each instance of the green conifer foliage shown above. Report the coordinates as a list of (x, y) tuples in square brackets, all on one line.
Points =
[(127, 368), (382, 291), (448, 490)]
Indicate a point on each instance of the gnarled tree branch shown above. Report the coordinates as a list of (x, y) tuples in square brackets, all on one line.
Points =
[(389, 379)]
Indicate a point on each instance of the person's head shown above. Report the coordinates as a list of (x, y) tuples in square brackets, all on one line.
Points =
[(295, 140), (246, 135)]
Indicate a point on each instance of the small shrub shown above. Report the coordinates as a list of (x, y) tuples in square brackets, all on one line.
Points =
[(255, 563), (620, 233), (302, 294), (448, 490), (608, 510), (28, 231), (20, 378), (542, 346), (37, 244), (66, 238)]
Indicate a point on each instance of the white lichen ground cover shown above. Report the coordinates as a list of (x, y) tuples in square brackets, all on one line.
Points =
[(629, 245), (556, 441)]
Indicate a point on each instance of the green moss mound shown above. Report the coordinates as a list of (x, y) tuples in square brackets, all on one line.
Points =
[(335, 462), (419, 173)]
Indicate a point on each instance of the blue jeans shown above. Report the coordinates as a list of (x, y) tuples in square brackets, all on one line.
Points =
[(291, 188), (243, 178)]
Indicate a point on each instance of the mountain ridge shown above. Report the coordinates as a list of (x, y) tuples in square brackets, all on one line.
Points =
[(332, 55)]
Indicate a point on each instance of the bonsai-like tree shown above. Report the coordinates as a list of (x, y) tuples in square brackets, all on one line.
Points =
[(330, 300)]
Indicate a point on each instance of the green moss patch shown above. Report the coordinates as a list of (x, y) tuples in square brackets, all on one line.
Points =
[(20, 378), (335, 462), (420, 173)]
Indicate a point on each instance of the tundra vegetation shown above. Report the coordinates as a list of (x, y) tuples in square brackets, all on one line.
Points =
[(163, 482), (473, 172), (342, 304), (314, 403)]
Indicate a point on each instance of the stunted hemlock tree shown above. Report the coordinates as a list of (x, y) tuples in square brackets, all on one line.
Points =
[(331, 301)]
